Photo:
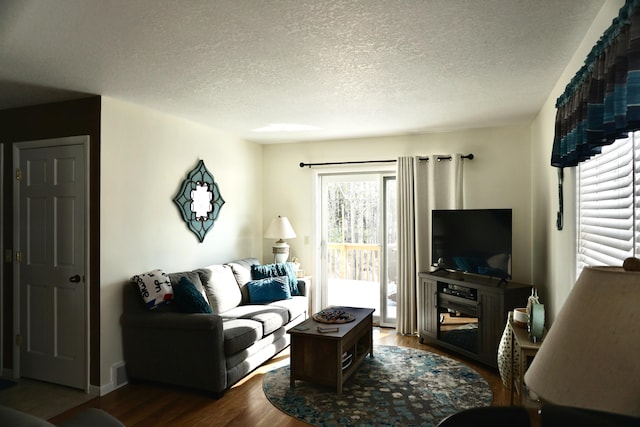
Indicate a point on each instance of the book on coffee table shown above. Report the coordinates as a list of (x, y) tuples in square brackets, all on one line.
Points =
[(327, 329)]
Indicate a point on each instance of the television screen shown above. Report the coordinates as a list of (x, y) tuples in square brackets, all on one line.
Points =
[(475, 241)]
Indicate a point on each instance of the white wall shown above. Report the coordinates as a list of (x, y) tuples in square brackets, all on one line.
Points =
[(145, 156), (498, 177), (553, 257)]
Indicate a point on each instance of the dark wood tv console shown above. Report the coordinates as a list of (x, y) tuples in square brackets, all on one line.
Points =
[(468, 296)]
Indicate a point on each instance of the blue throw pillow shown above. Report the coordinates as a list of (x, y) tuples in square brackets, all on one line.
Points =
[(188, 299), (267, 290), (276, 270)]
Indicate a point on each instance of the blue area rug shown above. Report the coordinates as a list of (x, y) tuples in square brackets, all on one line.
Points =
[(397, 387)]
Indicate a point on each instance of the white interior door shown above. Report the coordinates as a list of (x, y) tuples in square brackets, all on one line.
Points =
[(50, 215)]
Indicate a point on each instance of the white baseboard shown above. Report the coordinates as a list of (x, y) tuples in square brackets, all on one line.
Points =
[(118, 379)]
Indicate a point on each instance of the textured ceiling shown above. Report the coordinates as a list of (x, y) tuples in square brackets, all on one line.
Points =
[(351, 68)]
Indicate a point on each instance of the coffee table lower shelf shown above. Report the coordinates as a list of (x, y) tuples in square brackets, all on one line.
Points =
[(319, 357)]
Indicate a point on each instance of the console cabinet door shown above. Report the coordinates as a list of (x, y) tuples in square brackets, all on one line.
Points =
[(428, 308), (490, 326)]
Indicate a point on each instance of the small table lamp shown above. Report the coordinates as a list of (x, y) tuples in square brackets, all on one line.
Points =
[(589, 358), (280, 228)]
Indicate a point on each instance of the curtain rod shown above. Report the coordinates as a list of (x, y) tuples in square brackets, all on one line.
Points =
[(302, 164)]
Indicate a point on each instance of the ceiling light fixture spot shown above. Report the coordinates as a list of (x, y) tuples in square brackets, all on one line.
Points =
[(286, 127)]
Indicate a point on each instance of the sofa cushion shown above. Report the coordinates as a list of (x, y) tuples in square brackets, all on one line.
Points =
[(275, 270), (250, 311), (255, 348), (268, 290), (155, 288), (240, 364), (295, 306), (271, 322), (221, 287), (240, 334), (188, 299), (242, 271)]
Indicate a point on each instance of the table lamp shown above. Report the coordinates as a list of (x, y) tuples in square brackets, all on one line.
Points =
[(589, 358), (280, 228)]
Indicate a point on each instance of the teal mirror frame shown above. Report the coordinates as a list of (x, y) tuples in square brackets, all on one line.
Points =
[(199, 200)]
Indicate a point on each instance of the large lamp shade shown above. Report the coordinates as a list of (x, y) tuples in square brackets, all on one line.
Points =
[(590, 357), (280, 228)]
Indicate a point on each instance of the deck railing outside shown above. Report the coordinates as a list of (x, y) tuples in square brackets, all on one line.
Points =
[(354, 261)]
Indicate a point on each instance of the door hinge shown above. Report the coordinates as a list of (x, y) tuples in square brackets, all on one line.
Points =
[(19, 256), (18, 340), (18, 174)]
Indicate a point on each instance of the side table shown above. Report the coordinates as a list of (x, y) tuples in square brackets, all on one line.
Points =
[(527, 350)]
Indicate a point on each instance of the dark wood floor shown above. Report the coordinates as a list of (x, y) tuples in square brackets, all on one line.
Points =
[(243, 405)]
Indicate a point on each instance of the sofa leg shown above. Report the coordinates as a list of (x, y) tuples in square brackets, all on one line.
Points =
[(216, 394)]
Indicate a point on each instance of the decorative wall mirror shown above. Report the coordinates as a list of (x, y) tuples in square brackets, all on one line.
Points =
[(199, 200)]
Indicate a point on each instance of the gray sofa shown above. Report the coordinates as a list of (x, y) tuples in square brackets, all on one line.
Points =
[(208, 351), (93, 417)]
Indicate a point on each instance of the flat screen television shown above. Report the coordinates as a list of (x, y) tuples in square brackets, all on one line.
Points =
[(476, 241)]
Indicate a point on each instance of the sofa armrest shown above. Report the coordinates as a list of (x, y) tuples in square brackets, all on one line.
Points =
[(304, 286), (93, 417), (176, 348), (556, 416), (13, 417), (172, 321)]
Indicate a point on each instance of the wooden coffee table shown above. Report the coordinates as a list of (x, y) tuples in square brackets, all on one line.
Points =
[(318, 357)]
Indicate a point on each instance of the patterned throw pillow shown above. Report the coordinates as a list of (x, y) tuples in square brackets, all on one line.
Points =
[(155, 288), (506, 349), (276, 270), (264, 291), (188, 299)]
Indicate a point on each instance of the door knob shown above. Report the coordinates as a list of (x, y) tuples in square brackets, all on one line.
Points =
[(75, 279)]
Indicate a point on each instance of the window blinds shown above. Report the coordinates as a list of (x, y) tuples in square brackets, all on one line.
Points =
[(609, 204)]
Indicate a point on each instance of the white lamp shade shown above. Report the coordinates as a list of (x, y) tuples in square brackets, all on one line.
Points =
[(589, 358), (280, 228)]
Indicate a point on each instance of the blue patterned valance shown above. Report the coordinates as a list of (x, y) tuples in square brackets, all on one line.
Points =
[(602, 101)]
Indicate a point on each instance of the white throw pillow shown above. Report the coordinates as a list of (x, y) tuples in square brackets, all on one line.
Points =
[(222, 289)]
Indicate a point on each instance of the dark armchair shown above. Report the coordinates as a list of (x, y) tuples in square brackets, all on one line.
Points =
[(549, 416)]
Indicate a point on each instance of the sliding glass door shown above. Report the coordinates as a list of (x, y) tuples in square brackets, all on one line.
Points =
[(358, 243), (390, 253)]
